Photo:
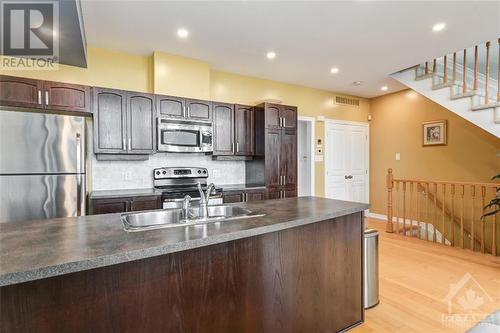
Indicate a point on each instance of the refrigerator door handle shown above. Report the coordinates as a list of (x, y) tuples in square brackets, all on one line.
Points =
[(78, 153)]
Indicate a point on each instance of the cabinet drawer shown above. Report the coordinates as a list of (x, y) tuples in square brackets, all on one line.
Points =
[(145, 203), (231, 197), (108, 206)]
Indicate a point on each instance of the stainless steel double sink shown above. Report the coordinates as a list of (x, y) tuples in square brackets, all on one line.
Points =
[(172, 218)]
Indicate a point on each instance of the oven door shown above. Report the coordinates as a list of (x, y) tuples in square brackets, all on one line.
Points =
[(184, 137)]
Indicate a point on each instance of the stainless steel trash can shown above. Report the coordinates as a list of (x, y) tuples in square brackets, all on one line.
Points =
[(371, 268)]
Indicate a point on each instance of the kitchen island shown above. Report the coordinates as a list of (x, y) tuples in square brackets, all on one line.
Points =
[(298, 268)]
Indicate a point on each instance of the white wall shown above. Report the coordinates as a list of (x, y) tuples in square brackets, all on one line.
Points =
[(304, 165)]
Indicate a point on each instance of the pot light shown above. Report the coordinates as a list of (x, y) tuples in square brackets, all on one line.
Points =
[(271, 55), (438, 27), (384, 88), (334, 70), (357, 83), (182, 33)]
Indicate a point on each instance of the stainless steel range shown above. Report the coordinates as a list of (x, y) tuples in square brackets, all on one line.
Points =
[(176, 183)]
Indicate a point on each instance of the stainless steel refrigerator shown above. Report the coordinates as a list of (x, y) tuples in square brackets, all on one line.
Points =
[(42, 166)]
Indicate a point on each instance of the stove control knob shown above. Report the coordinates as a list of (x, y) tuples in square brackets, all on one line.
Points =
[(204, 171), (157, 172), (164, 172), (199, 171)]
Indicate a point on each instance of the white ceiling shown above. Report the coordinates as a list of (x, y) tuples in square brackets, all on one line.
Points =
[(366, 40)]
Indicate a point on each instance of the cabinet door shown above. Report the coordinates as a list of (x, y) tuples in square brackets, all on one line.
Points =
[(66, 97), (199, 110), (244, 130), (108, 206), (273, 193), (170, 106), (272, 157), (21, 92), (255, 195), (231, 197), (288, 157), (272, 116), (223, 115), (289, 115), (141, 123), (145, 203), (289, 192), (109, 121)]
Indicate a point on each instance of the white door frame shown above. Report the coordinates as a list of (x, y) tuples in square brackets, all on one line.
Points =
[(367, 153), (312, 121)]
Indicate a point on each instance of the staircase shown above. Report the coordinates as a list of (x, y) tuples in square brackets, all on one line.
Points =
[(464, 82)]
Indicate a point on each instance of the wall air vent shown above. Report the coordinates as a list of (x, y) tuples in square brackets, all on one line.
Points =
[(348, 101)]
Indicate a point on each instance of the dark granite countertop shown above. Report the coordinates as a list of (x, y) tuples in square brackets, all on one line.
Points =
[(38, 249), (242, 187), (109, 194)]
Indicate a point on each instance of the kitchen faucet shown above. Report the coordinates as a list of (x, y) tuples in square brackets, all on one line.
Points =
[(204, 197), (186, 202)]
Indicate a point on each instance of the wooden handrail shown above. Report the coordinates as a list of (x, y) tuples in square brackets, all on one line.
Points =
[(488, 185), (486, 90), (390, 185)]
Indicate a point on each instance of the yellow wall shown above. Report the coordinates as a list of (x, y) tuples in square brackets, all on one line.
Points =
[(180, 76), (163, 73), (396, 126), (106, 68)]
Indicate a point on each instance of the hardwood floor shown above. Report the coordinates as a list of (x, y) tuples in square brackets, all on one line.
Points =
[(415, 278)]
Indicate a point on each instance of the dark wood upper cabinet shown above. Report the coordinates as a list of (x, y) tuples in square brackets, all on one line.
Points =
[(244, 130), (20, 92), (141, 122), (223, 118), (170, 106), (288, 157), (272, 157), (272, 116), (110, 121), (289, 116), (199, 109), (30, 93), (66, 97)]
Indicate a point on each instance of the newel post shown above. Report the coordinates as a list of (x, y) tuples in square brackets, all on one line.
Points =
[(390, 185)]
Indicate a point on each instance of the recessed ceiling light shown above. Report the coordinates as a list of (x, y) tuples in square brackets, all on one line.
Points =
[(438, 27), (271, 55), (182, 33), (384, 88), (357, 83), (334, 70)]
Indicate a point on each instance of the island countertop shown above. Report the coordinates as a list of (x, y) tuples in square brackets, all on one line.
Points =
[(38, 249)]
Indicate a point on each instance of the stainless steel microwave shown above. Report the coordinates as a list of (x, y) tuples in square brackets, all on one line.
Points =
[(184, 136)]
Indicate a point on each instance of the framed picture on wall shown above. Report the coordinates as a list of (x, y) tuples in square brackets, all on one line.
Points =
[(434, 133)]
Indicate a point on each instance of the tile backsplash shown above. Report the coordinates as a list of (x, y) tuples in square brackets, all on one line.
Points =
[(114, 175)]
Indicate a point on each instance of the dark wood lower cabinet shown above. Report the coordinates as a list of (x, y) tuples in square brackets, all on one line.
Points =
[(281, 192), (303, 279), (122, 205), (243, 196)]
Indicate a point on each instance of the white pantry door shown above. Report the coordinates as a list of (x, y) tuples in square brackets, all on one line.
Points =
[(346, 165)]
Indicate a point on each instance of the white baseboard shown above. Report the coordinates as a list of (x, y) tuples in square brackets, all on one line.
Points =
[(377, 216)]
